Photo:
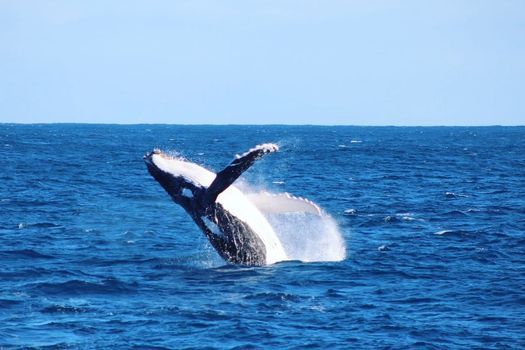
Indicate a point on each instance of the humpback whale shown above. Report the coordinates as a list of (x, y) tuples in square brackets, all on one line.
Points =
[(233, 224)]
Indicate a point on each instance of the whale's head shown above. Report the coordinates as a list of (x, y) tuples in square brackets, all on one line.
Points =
[(178, 176)]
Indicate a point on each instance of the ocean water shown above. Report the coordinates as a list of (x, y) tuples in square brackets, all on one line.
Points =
[(93, 253)]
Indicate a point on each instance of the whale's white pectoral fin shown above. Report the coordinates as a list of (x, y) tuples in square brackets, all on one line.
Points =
[(240, 164), (282, 203)]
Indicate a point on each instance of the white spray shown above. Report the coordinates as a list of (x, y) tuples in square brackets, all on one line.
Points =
[(305, 231)]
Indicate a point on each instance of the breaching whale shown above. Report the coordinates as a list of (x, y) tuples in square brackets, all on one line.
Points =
[(230, 220)]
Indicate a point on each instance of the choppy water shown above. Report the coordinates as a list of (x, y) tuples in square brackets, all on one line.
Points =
[(93, 254)]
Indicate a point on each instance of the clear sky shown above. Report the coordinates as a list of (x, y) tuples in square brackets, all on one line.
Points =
[(447, 62)]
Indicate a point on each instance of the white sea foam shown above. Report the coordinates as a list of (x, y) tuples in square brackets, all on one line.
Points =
[(443, 232), (383, 248)]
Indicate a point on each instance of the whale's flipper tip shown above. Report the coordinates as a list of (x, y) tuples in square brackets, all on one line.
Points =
[(240, 164), (148, 156), (260, 150)]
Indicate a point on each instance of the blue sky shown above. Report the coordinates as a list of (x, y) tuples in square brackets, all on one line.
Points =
[(263, 62)]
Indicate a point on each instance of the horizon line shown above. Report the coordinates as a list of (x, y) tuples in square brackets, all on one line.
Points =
[(269, 124)]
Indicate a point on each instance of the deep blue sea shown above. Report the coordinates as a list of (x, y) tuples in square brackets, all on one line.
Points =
[(95, 255)]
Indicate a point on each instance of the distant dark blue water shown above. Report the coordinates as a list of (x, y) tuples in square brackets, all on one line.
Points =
[(93, 254)]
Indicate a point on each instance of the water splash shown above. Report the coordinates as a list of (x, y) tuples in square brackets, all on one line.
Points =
[(308, 237), (306, 234)]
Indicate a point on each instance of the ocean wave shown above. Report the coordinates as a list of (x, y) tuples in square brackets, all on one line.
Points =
[(452, 233), (109, 286), (25, 254), (7, 303)]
